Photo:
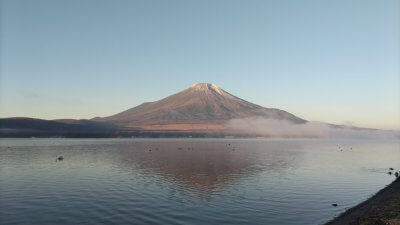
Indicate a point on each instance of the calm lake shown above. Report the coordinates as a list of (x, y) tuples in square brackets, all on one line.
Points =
[(189, 181)]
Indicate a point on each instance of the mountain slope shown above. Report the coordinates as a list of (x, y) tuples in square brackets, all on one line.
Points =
[(202, 106)]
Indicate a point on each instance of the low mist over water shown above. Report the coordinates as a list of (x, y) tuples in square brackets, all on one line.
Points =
[(281, 128), (189, 181)]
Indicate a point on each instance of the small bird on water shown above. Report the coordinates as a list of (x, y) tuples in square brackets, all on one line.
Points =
[(59, 158)]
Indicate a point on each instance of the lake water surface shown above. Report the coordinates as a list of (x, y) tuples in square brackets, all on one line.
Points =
[(189, 181)]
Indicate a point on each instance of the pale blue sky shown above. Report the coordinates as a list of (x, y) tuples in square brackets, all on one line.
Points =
[(332, 61)]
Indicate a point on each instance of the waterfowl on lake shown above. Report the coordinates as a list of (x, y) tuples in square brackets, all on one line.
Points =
[(334, 204)]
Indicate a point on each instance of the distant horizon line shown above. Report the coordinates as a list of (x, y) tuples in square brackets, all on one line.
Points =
[(308, 121)]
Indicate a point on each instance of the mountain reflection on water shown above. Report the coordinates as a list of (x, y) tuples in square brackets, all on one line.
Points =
[(203, 166)]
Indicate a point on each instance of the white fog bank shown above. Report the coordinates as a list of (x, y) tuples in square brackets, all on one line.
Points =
[(281, 128)]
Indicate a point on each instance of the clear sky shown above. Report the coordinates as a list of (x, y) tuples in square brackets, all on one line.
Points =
[(332, 61)]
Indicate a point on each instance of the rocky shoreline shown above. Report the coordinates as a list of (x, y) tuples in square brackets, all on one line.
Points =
[(381, 209)]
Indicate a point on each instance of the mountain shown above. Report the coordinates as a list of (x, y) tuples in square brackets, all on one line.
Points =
[(202, 110), (201, 107)]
